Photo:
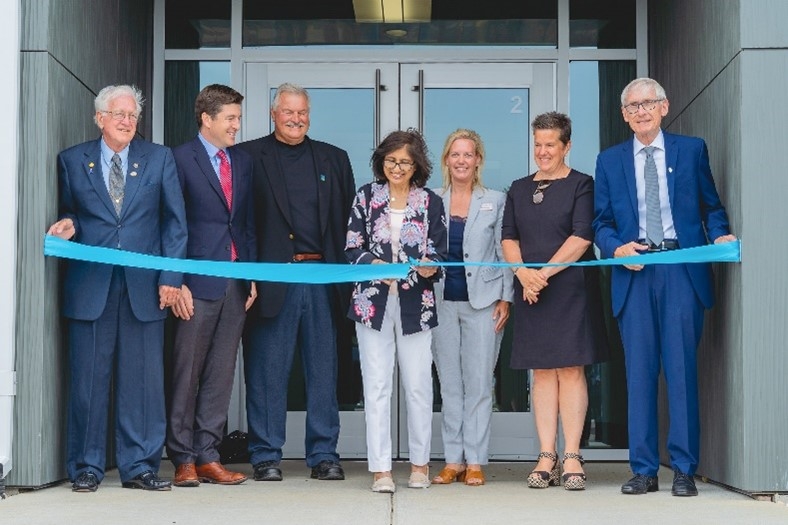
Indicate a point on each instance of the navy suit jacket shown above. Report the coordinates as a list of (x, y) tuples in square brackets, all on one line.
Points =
[(212, 226), (336, 189), (152, 221), (698, 214)]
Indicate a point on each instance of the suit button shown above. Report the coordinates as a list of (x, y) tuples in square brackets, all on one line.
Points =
[(291, 236)]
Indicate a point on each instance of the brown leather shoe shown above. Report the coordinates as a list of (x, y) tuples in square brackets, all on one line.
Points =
[(186, 476), (216, 473)]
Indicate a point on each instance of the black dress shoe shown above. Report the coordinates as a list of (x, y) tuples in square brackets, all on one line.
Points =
[(85, 482), (683, 484), (267, 471), (640, 484), (147, 481), (328, 471)]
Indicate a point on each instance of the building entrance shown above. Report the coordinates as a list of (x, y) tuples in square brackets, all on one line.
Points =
[(353, 106)]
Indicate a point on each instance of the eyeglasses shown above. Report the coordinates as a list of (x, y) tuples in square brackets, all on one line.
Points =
[(120, 116), (404, 165), (648, 105), (538, 196)]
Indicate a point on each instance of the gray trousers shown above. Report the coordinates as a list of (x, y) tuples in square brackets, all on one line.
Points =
[(465, 349), (204, 357)]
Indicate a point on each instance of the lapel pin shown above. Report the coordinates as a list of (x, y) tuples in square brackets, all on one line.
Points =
[(91, 165), (670, 170), (322, 178), (136, 165), (133, 173)]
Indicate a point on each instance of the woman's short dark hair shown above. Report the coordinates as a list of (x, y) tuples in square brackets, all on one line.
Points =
[(414, 144), (554, 120)]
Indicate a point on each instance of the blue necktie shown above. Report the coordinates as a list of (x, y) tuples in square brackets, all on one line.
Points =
[(654, 230)]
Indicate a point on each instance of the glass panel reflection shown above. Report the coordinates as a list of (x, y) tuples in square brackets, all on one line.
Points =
[(602, 24), (197, 24), (183, 80), (594, 100)]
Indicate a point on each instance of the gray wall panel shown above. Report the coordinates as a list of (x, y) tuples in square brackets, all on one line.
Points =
[(66, 58), (34, 25), (720, 357), (765, 288), (689, 44), (763, 23), (717, 87), (28, 409)]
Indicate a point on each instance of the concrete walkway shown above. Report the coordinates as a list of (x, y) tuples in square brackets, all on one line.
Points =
[(505, 500)]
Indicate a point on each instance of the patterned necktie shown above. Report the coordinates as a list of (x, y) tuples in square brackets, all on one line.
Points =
[(117, 183), (654, 230), (226, 181)]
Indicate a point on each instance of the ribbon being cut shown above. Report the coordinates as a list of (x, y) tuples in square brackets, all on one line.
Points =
[(342, 273)]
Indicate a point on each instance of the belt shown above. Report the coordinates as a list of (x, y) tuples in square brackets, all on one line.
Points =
[(664, 246), (301, 257)]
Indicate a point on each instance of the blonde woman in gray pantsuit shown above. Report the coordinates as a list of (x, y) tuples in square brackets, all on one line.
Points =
[(473, 306)]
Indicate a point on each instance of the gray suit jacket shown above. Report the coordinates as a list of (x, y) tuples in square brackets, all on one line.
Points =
[(482, 242)]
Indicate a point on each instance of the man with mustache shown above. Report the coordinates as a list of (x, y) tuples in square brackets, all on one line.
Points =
[(303, 190)]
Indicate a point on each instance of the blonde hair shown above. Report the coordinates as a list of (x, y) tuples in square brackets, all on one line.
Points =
[(474, 137)]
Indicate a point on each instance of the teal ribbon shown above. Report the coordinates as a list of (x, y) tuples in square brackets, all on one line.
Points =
[(344, 273), (273, 272), (723, 252)]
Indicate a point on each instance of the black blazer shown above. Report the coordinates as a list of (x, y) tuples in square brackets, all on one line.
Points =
[(336, 188), (212, 226)]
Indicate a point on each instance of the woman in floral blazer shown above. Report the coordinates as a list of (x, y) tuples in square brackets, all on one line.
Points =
[(396, 219)]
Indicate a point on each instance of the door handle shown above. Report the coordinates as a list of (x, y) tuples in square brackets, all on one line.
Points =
[(379, 88), (420, 90)]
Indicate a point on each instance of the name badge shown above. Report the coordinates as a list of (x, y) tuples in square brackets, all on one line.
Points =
[(486, 206)]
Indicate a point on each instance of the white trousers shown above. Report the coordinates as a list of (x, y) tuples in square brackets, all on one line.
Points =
[(465, 347), (378, 351)]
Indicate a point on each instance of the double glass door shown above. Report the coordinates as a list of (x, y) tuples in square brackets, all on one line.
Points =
[(353, 106)]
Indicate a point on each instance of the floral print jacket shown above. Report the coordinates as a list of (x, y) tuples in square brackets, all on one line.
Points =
[(423, 234)]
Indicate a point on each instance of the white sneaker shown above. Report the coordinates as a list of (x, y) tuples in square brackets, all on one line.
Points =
[(418, 480), (385, 485)]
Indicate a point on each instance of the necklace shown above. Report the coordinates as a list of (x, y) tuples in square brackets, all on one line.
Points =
[(538, 195)]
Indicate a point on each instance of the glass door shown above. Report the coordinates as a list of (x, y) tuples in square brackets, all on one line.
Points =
[(353, 106), (498, 101)]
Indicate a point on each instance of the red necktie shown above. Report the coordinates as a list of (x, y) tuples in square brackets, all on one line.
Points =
[(226, 180)]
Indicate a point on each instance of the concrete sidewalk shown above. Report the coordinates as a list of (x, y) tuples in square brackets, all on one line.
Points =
[(505, 500)]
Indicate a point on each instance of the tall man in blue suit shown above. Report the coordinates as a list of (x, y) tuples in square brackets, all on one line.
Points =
[(303, 191), (656, 193), (217, 187), (118, 192)]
